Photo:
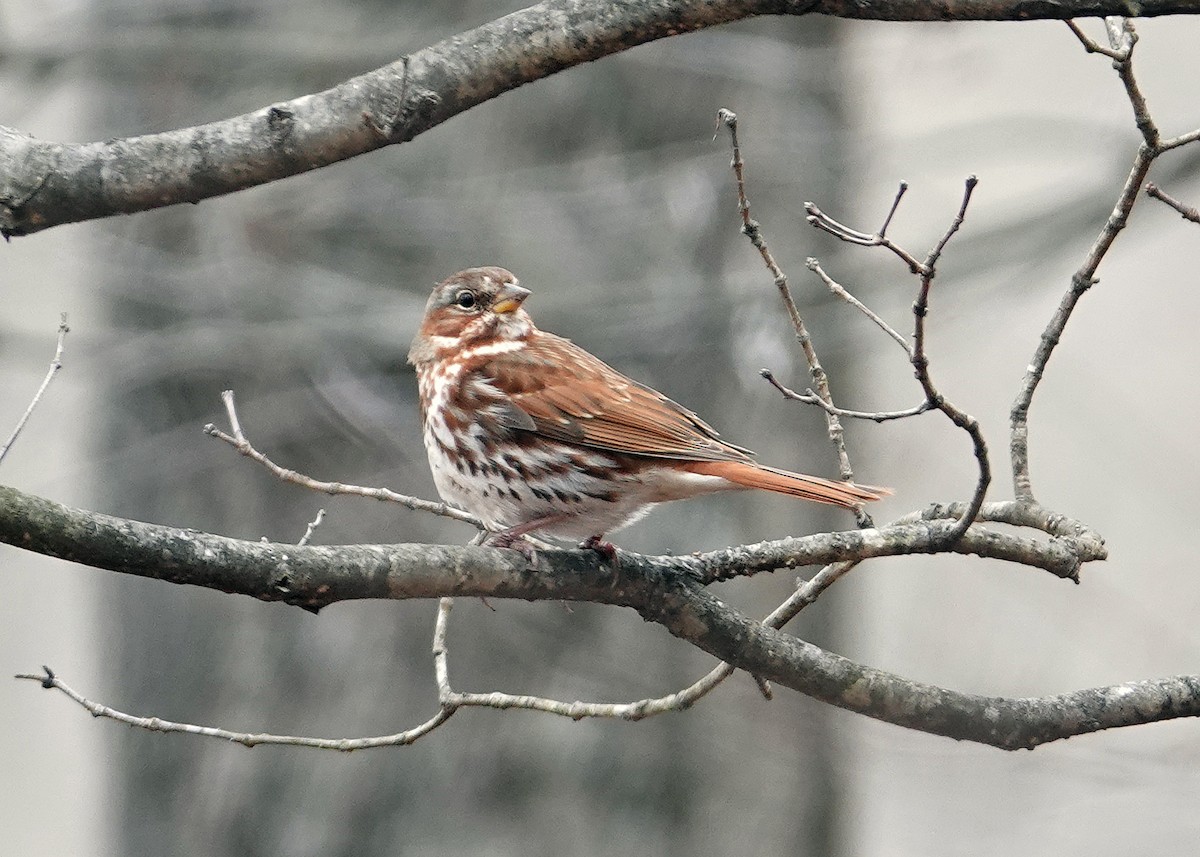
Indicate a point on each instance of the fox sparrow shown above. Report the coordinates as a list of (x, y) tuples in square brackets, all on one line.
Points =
[(531, 433)]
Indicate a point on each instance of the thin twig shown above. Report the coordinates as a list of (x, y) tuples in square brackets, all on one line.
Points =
[(311, 528), (840, 290), (1122, 38), (55, 365), (887, 221), (1092, 46), (925, 271), (637, 710), (1186, 211), (249, 739), (820, 220), (752, 230), (920, 362), (239, 442), (808, 397), (1181, 140)]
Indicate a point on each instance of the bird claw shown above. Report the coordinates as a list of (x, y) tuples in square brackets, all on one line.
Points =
[(607, 550), (511, 541)]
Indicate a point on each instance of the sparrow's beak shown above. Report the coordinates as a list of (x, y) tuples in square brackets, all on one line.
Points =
[(510, 298)]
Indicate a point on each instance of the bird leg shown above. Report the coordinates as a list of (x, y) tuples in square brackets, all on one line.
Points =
[(514, 537)]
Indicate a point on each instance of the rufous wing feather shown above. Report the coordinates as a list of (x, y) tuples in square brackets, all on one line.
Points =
[(753, 475)]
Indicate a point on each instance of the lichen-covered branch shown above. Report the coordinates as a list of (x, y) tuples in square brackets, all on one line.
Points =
[(1010, 724), (666, 590), (314, 576)]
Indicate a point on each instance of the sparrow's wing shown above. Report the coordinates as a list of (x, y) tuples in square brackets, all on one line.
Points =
[(559, 391)]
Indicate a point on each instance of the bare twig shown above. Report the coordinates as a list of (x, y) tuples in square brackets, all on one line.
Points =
[(55, 365), (752, 230), (1181, 140), (808, 397), (239, 442), (840, 290), (449, 701), (1186, 211), (887, 221), (920, 363), (1092, 46), (925, 271), (637, 710), (311, 528), (1122, 39), (818, 219), (249, 739), (1082, 280)]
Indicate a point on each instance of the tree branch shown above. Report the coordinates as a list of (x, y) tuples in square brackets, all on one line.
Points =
[(664, 589), (45, 184), (314, 576), (50, 681), (661, 589), (1122, 40)]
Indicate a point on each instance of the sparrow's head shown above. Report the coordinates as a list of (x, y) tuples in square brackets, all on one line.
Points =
[(470, 308)]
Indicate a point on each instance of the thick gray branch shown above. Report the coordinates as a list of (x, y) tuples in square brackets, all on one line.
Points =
[(667, 590), (315, 576), (1010, 724), (45, 184)]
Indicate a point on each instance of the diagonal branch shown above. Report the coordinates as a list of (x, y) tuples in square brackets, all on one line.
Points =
[(239, 442), (1122, 39), (55, 365), (753, 231)]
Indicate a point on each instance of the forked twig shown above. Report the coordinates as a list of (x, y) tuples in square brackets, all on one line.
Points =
[(1122, 39), (925, 270), (449, 701), (820, 220), (1093, 47), (920, 362)]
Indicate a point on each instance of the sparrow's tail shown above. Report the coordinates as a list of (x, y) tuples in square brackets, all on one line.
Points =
[(750, 475)]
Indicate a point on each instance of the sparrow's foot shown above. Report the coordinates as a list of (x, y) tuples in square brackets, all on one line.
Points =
[(607, 550), (512, 539)]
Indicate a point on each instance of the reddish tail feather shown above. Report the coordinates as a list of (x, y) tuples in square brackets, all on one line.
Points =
[(815, 488)]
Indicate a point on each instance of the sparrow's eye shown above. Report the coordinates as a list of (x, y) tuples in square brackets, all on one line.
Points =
[(465, 299)]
